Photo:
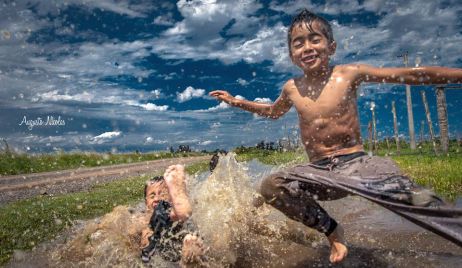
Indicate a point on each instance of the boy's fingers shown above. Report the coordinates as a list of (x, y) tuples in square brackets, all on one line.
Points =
[(217, 92)]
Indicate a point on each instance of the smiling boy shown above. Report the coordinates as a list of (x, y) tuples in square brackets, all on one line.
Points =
[(325, 100)]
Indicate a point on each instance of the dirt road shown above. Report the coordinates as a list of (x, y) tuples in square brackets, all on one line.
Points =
[(66, 181)]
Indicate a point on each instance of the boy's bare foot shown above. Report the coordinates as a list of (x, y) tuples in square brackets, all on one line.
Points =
[(338, 249), (175, 177)]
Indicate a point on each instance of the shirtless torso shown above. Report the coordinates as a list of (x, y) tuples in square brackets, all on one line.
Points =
[(327, 112)]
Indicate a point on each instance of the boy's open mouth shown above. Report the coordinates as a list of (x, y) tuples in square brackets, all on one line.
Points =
[(309, 59)]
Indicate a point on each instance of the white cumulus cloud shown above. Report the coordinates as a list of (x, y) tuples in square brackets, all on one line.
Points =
[(105, 137), (153, 107), (207, 142), (189, 93), (242, 82)]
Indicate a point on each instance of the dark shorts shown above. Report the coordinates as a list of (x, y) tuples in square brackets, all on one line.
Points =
[(295, 192)]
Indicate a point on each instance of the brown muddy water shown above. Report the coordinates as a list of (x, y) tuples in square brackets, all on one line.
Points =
[(239, 235)]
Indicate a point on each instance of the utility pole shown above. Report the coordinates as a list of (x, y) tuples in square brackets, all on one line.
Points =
[(422, 125), (374, 128), (369, 129), (410, 114), (395, 126), (388, 146)]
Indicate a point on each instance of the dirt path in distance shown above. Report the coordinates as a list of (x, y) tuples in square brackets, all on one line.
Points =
[(18, 187)]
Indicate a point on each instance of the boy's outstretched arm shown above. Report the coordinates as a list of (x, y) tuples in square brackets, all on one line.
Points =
[(425, 75), (274, 110)]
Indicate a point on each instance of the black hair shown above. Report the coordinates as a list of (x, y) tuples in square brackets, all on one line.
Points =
[(308, 17), (153, 180)]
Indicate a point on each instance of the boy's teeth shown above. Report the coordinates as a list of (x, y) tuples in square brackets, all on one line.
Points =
[(309, 58)]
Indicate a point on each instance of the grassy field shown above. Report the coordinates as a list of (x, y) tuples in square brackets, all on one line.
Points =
[(12, 164), (441, 173), (271, 157), (26, 223)]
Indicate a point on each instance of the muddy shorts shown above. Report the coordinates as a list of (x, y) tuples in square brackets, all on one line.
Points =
[(295, 192)]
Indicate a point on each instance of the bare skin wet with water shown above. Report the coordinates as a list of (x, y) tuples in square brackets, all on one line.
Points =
[(241, 236)]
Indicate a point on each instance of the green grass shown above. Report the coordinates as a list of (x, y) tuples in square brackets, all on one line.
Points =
[(197, 167), (271, 157), (26, 223), (12, 164), (442, 173)]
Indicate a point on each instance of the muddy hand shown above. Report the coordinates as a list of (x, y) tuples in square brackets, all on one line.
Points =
[(193, 251)]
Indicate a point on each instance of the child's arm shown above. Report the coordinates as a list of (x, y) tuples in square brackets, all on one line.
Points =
[(426, 75), (275, 110)]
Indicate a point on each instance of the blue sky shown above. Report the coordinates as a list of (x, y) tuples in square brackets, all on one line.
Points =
[(125, 75)]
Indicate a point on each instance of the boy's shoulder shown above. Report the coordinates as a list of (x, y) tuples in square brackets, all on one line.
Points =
[(349, 67), (289, 84)]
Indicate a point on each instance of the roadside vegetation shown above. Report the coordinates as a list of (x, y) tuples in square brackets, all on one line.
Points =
[(271, 157), (13, 163)]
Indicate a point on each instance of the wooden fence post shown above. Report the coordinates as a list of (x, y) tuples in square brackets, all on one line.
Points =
[(429, 120), (442, 118)]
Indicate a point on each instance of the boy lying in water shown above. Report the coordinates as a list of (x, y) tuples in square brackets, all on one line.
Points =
[(168, 208)]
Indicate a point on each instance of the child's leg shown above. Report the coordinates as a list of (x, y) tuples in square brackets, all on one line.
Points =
[(298, 204), (297, 200)]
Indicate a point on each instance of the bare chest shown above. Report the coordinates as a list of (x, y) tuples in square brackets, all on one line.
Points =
[(328, 102)]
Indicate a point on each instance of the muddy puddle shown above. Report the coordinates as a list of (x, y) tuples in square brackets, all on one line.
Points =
[(238, 235)]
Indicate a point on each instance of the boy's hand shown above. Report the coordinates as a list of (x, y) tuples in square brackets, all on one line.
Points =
[(222, 95), (193, 251)]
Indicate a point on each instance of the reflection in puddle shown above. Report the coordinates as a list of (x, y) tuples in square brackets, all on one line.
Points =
[(238, 235)]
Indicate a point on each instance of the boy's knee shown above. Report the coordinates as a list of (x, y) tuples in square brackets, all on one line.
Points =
[(269, 187)]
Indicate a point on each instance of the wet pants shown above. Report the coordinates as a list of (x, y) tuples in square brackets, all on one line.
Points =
[(295, 192)]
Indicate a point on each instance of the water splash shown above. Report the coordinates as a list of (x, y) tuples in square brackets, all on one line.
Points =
[(236, 232)]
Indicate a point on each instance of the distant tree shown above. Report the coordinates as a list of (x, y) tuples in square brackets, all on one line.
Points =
[(7, 148), (184, 149), (261, 145)]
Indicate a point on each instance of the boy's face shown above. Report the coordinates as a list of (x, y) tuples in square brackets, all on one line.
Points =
[(310, 50), (156, 192)]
